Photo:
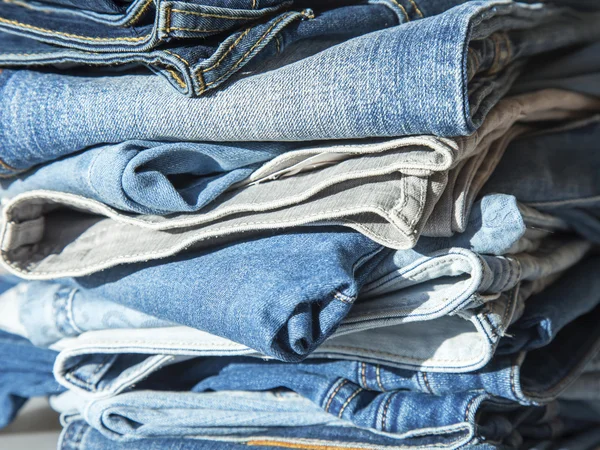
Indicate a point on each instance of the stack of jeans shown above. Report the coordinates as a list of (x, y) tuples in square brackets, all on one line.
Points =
[(334, 224)]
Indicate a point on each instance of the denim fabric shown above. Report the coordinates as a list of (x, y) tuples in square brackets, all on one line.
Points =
[(25, 372), (539, 170), (150, 177), (587, 386), (369, 396), (547, 313), (44, 313), (211, 413), (428, 283), (77, 435), (290, 291), (499, 32), (577, 69), (196, 45), (388, 196), (105, 365)]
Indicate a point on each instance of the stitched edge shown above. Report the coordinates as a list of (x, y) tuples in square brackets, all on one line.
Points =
[(60, 33), (358, 391), (341, 384)]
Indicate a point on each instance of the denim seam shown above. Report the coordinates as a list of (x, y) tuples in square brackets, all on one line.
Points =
[(193, 30), (427, 383), (417, 10), (313, 444), (384, 213), (341, 384), (10, 168), (440, 305), (344, 298), (139, 14), (229, 50), (363, 369), (69, 311), (469, 405), (168, 12), (181, 58), (378, 376), (70, 35), (348, 400), (216, 16), (402, 9), (378, 352), (177, 78), (256, 44), (84, 384), (385, 410)]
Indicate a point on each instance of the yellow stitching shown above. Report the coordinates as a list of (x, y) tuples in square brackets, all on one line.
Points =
[(21, 4), (197, 30), (253, 4), (416, 8), (216, 16), (403, 10), (348, 401), (201, 81), (178, 57), (266, 443), (237, 41), (385, 410), (139, 13), (379, 379), (262, 38), (53, 32), (277, 44), (7, 167), (177, 78), (333, 394), (363, 374), (168, 11)]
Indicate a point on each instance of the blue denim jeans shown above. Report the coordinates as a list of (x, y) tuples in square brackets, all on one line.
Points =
[(25, 372), (478, 46), (471, 293), (77, 435), (577, 70), (541, 172), (357, 391), (195, 45), (281, 295)]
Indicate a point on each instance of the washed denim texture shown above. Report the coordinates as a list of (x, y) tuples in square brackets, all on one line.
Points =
[(275, 305), (361, 392), (77, 435), (149, 177), (158, 178), (547, 313), (44, 313), (430, 282), (347, 74), (539, 171), (25, 372), (354, 390), (388, 195), (112, 417), (577, 69), (196, 45), (470, 295)]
